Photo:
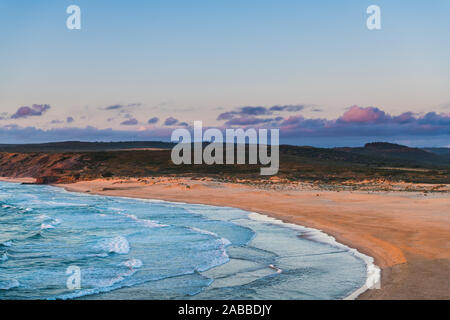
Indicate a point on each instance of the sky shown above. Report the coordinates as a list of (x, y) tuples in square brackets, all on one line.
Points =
[(137, 70)]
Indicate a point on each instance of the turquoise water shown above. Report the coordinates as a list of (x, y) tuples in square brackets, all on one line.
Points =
[(141, 249)]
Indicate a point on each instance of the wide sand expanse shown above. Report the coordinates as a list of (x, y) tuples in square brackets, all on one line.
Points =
[(408, 233)]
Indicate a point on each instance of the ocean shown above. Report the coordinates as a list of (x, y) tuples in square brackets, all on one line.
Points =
[(149, 249)]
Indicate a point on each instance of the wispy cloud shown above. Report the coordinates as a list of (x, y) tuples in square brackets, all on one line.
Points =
[(35, 110), (247, 121), (130, 122), (288, 108), (114, 107), (121, 106)]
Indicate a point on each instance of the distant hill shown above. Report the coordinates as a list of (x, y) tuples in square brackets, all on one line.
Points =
[(377, 153), (399, 155), (439, 151), (73, 161), (78, 146)]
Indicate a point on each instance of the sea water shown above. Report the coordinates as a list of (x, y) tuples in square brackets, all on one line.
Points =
[(149, 249)]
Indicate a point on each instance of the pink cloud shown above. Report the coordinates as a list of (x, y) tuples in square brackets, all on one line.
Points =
[(358, 114), (293, 120)]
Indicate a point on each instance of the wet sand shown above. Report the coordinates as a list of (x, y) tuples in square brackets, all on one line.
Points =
[(18, 180)]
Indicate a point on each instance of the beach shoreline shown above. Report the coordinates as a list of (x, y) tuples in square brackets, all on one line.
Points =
[(411, 247)]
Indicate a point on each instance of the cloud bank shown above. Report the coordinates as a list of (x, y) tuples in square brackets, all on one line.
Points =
[(356, 126), (370, 121)]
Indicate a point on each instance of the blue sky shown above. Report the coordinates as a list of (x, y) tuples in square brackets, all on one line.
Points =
[(195, 60)]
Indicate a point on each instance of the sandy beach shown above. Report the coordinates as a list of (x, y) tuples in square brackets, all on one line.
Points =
[(408, 233)]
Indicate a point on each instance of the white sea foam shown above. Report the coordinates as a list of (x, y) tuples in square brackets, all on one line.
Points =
[(223, 241), (4, 257), (145, 222), (42, 217), (101, 255), (204, 232), (47, 226), (373, 272), (132, 263), (121, 277), (222, 258), (103, 286), (117, 245), (215, 261), (58, 203), (108, 284)]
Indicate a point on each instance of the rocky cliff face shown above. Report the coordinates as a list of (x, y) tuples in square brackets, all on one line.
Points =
[(52, 167), (46, 168)]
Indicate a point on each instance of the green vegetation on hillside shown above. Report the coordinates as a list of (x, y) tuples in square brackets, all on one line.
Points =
[(379, 161)]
